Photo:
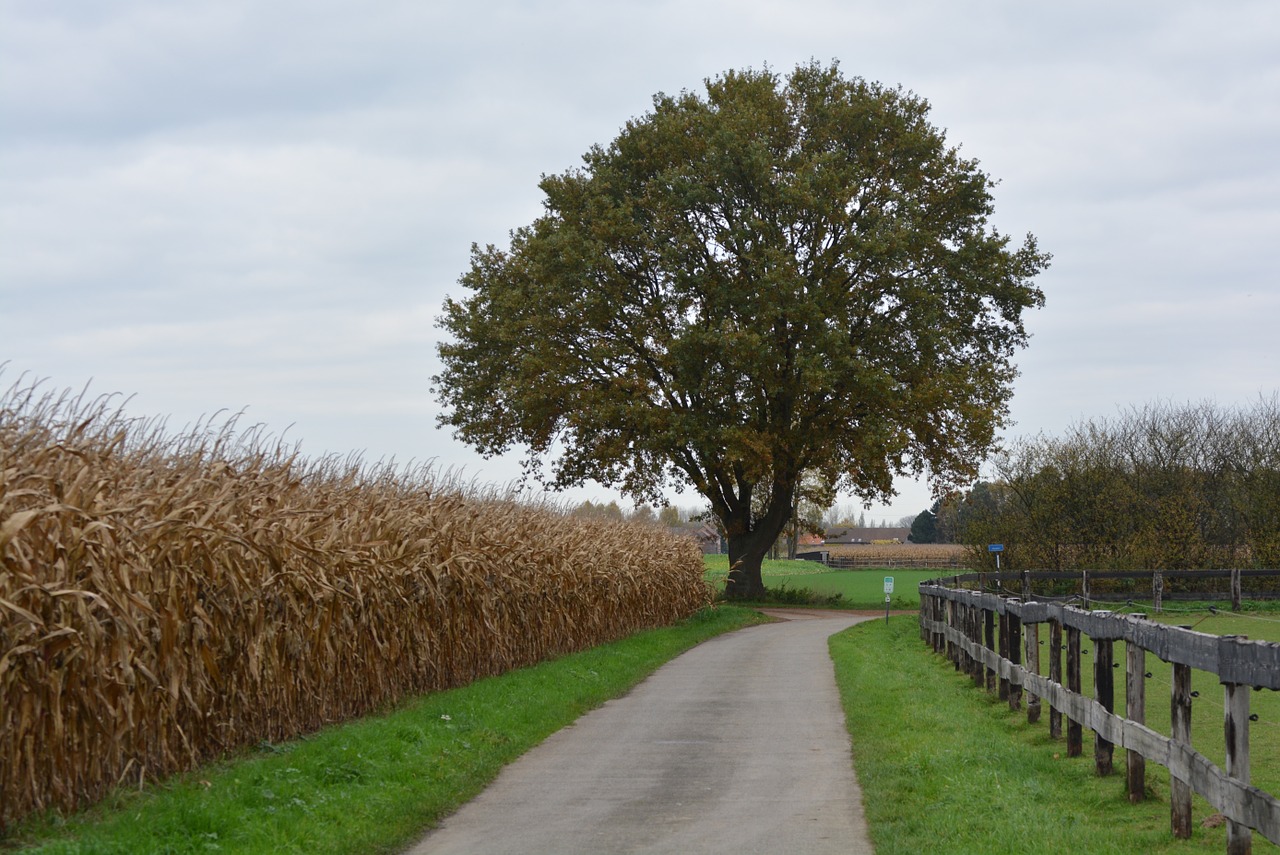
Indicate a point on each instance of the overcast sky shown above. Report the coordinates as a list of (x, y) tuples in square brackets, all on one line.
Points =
[(236, 205)]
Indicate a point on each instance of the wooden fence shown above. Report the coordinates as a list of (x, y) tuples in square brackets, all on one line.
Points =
[(1103, 586), (846, 562), (995, 639)]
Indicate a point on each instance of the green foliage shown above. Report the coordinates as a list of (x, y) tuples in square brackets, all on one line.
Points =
[(924, 528), (643, 513), (784, 595), (669, 516), (783, 275), (591, 510), (1162, 487)]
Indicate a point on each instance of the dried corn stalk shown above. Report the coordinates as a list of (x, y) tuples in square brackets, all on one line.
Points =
[(165, 599)]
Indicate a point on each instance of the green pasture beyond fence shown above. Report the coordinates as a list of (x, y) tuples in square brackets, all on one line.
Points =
[(858, 589), (1007, 642), (1234, 586)]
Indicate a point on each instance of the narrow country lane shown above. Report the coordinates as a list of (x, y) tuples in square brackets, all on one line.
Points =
[(738, 746)]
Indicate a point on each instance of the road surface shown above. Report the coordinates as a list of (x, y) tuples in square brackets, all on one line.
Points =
[(738, 746)]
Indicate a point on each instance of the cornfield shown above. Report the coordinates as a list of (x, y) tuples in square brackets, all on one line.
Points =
[(166, 599), (878, 554)]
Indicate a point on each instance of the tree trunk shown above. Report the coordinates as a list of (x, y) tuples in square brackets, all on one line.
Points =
[(746, 552), (750, 539)]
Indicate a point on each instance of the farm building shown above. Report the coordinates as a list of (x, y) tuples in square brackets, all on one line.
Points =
[(851, 535), (709, 540)]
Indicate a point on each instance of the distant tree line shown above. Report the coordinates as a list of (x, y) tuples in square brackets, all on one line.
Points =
[(1162, 487), (668, 515)]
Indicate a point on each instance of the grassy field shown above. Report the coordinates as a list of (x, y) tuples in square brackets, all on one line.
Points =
[(859, 589), (942, 761), (376, 784), (1207, 709)]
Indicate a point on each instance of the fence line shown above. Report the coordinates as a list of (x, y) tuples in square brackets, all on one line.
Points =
[(844, 562), (983, 634), (1086, 584)]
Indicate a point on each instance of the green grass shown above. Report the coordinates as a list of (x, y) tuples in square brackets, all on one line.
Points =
[(376, 784), (859, 589), (946, 767), (1207, 709)]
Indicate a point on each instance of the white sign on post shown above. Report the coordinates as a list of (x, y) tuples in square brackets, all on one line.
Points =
[(888, 584)]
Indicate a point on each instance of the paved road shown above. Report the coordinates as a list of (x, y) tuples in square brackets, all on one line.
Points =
[(738, 746)]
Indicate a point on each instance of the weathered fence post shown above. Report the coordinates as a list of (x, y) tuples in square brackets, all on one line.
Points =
[(1031, 662), (953, 649), (1075, 734), (979, 672), (1157, 592), (1135, 709), (927, 616), (1235, 726), (1004, 652), (944, 644), (1084, 587), (1015, 656), (1055, 674), (1105, 694), (939, 639), (929, 606), (958, 616), (933, 614), (989, 633), (1180, 717), (1235, 589)]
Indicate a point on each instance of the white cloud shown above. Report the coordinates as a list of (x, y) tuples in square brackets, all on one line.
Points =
[(228, 204)]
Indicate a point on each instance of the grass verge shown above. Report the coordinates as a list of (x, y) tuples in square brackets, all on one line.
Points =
[(947, 767), (375, 784)]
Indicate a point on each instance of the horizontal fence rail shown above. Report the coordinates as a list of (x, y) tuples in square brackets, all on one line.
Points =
[(995, 639), (1119, 586), (844, 562)]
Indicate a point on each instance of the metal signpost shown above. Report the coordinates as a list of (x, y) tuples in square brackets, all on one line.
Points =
[(997, 548), (888, 594)]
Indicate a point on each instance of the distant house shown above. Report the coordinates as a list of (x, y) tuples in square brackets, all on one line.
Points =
[(709, 540), (845, 535)]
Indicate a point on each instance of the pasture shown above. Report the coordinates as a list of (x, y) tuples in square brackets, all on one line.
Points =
[(1207, 727), (946, 767), (859, 589), (1207, 715)]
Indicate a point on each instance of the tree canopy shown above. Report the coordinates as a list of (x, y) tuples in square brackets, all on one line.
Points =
[(1159, 487), (776, 276), (924, 528)]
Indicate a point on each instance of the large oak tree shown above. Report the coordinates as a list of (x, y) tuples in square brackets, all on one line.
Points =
[(783, 275)]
